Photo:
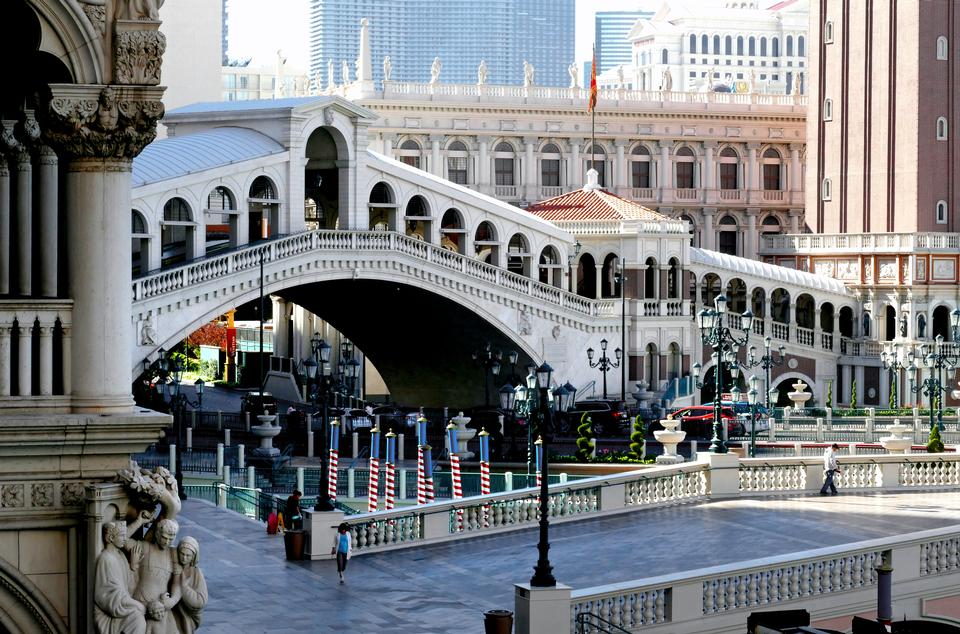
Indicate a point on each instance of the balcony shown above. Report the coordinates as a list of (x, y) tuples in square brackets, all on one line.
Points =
[(642, 193), (550, 191), (774, 195), (731, 195), (686, 194), (505, 191)]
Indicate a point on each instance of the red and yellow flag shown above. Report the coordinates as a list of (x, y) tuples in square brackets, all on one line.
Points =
[(593, 84)]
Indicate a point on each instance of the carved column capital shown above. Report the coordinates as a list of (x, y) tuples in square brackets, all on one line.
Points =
[(138, 47), (101, 122)]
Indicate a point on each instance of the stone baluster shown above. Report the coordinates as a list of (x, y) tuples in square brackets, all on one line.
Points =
[(25, 350)]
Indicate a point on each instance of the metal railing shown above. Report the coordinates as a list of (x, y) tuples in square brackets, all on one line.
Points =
[(590, 623)]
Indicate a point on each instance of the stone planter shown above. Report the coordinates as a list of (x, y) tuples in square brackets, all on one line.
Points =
[(670, 437), (464, 435), (896, 442), (266, 431)]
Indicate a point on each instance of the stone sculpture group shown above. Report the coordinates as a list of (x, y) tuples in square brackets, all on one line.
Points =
[(148, 586)]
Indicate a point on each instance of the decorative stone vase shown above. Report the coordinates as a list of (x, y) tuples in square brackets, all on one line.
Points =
[(896, 442), (642, 394), (464, 435), (670, 437), (266, 431), (799, 396)]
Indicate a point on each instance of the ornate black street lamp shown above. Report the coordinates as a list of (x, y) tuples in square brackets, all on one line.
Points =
[(752, 395), (489, 361), (725, 344), (178, 403), (893, 360), (936, 360), (605, 363), (766, 362)]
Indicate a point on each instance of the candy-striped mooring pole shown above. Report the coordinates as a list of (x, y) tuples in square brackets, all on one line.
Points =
[(421, 474), (334, 458), (373, 489), (455, 471), (391, 467), (428, 473), (485, 473)]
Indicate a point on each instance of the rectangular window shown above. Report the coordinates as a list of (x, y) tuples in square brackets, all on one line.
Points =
[(771, 177), (457, 169), (728, 176), (550, 172), (503, 169), (685, 175), (641, 173)]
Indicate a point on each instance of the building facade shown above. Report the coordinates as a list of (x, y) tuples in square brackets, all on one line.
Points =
[(241, 83), (611, 29), (462, 33)]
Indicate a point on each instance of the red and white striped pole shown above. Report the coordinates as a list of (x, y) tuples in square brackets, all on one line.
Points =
[(373, 490), (428, 474), (485, 473), (391, 468), (333, 459), (421, 474), (455, 471)]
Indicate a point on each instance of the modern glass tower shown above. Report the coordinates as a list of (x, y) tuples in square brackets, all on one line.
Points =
[(610, 35), (505, 33)]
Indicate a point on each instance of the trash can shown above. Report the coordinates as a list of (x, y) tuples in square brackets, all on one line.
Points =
[(498, 622), (294, 541)]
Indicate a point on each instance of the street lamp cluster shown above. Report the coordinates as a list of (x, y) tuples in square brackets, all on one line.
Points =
[(766, 362), (490, 362), (605, 363), (321, 384)]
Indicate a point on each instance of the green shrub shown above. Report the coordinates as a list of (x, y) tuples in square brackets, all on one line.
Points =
[(585, 438), (853, 394), (830, 393), (637, 439), (935, 444), (893, 395)]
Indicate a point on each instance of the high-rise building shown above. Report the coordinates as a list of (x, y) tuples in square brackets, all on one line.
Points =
[(224, 34), (611, 29), (504, 33)]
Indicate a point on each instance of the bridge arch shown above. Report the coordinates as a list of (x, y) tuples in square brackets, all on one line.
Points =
[(382, 206), (177, 231), (453, 232), (326, 175), (263, 204), (418, 218)]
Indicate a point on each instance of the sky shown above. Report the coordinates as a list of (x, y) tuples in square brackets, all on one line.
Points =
[(259, 28)]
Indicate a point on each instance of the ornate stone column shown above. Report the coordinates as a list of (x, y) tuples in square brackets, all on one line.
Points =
[(708, 237), (576, 171), (709, 169), (22, 244), (436, 162), (99, 129), (483, 165), (46, 360), (665, 168), (4, 229), (621, 180), (752, 178), (530, 189), (752, 238), (47, 204), (795, 167)]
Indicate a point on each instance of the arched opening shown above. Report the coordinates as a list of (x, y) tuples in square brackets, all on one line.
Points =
[(141, 243), (651, 287), (683, 168), (457, 158), (692, 230), (640, 167), (263, 209), (221, 216), (780, 306), (651, 366), (596, 158), (673, 279), (727, 235), (941, 323), (417, 219), (410, 153), (890, 323), (587, 276), (486, 247), (504, 169), (518, 255), (176, 233), (758, 304), (609, 276), (550, 158), (550, 268), (770, 226), (452, 232), (325, 182), (805, 311), (845, 322), (710, 288), (736, 293), (826, 317), (674, 362), (693, 43), (382, 208), (771, 170), (729, 169)]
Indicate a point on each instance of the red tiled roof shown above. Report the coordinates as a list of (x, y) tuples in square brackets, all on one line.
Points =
[(592, 204)]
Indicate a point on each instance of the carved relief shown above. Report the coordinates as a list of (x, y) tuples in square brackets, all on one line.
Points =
[(524, 327), (823, 267), (148, 333), (944, 269), (96, 11), (328, 116), (906, 271), (139, 10), (137, 56), (888, 270), (71, 493), (41, 494), (921, 269), (11, 495)]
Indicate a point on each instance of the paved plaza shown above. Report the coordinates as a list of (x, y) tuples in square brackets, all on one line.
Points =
[(445, 588)]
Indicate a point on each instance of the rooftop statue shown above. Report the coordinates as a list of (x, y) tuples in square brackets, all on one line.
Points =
[(482, 73), (435, 70)]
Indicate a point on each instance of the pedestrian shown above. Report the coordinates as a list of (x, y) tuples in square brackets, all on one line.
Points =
[(830, 469), (342, 548), (292, 512)]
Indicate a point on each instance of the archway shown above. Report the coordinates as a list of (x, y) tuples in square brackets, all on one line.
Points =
[(587, 276), (845, 322), (780, 306), (325, 180), (805, 311), (264, 209), (758, 304), (728, 236), (221, 221), (486, 247), (550, 269), (651, 277), (141, 243), (417, 219), (736, 296), (382, 208), (651, 367), (941, 323), (674, 362), (176, 232), (608, 277), (710, 288), (673, 279), (826, 317), (452, 233), (890, 323), (518, 255)]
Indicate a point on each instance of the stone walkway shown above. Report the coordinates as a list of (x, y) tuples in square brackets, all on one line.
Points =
[(445, 588)]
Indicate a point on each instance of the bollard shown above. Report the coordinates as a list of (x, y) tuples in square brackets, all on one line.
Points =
[(819, 430), (226, 437), (226, 475), (508, 481), (173, 459), (309, 444), (300, 479), (219, 420), (219, 459), (563, 478), (240, 457), (399, 447), (403, 483), (693, 449), (251, 478), (221, 495), (356, 445), (351, 482), (246, 421), (829, 411), (189, 438)]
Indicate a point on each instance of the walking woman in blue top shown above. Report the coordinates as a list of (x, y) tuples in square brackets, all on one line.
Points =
[(342, 548)]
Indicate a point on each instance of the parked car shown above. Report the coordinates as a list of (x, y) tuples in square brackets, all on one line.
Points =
[(251, 402), (697, 421), (610, 418)]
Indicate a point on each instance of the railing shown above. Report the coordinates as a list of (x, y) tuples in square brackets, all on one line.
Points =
[(651, 309), (550, 191), (361, 241), (826, 340), (686, 194), (50, 320), (780, 331), (773, 194), (589, 623), (858, 348), (862, 242), (804, 336), (505, 191), (641, 193), (674, 308), (730, 194)]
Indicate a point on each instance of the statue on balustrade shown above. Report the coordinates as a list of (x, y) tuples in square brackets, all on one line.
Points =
[(527, 73), (345, 72), (903, 325), (866, 325), (435, 70), (482, 73), (387, 68), (574, 75), (667, 83)]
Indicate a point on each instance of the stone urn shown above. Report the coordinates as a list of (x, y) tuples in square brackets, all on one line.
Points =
[(799, 395), (896, 442), (464, 435), (669, 437), (266, 431), (641, 393)]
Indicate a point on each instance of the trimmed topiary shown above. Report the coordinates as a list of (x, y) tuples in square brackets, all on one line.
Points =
[(638, 439), (935, 444), (585, 438), (853, 394)]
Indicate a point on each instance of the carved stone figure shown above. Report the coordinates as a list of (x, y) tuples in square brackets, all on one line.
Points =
[(331, 80), (527, 73), (482, 73), (866, 324), (666, 84), (193, 587), (921, 326), (115, 611), (621, 81), (318, 85), (524, 327), (387, 68), (345, 72), (139, 9), (574, 75), (96, 11), (753, 81), (148, 334), (158, 576), (797, 79), (435, 70), (903, 325)]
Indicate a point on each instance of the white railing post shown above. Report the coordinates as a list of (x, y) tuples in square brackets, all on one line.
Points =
[(226, 437), (868, 430), (221, 495), (173, 458), (612, 497), (508, 481), (351, 483), (219, 420), (402, 474), (852, 448), (399, 447), (819, 430), (241, 462), (300, 479), (723, 475), (356, 444), (798, 448), (189, 438), (226, 475), (309, 443), (251, 477), (772, 430), (220, 459), (246, 421)]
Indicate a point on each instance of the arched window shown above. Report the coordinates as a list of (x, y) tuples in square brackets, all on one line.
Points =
[(729, 169), (941, 212), (771, 169), (775, 47), (770, 224), (382, 208), (942, 50), (752, 46), (457, 162), (503, 164), (140, 243), (828, 32), (220, 226), (694, 238), (693, 43), (138, 224), (727, 235), (801, 46), (828, 109), (704, 44), (596, 159), (550, 269), (826, 190), (452, 231), (683, 165), (640, 167), (485, 244), (728, 45), (550, 166), (789, 46), (664, 56), (176, 235), (763, 47), (941, 128), (740, 45), (417, 218), (716, 44), (518, 255), (409, 153)]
